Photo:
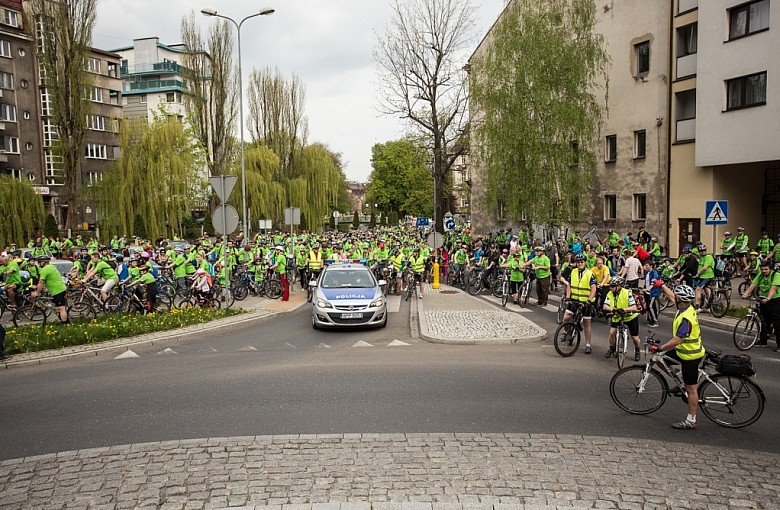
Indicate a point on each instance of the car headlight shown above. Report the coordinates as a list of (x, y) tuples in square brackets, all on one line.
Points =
[(377, 303), (321, 303)]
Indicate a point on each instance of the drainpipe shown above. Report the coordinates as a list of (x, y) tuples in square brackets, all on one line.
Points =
[(670, 80)]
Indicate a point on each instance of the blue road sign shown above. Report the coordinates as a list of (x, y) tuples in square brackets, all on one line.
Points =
[(449, 224), (423, 222), (716, 212)]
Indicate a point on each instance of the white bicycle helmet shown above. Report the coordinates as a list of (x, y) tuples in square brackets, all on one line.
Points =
[(684, 293)]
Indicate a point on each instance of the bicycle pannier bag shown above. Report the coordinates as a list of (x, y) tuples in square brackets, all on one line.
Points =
[(736, 365)]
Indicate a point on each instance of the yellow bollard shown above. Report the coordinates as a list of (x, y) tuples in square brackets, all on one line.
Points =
[(435, 284)]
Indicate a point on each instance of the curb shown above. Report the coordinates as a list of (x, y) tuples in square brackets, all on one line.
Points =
[(125, 343)]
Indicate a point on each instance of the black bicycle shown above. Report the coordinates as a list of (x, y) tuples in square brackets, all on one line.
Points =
[(567, 336)]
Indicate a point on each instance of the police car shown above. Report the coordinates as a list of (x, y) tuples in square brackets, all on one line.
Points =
[(348, 295)]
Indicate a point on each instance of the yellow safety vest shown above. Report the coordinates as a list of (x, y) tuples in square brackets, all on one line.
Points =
[(621, 301), (690, 347), (580, 285), (315, 261), (418, 264)]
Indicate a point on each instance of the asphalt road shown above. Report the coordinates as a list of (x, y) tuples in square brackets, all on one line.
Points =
[(282, 377)]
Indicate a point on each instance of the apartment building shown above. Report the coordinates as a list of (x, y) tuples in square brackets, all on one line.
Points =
[(725, 103), (21, 153), (152, 78)]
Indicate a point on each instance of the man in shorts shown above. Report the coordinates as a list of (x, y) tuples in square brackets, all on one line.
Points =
[(52, 279), (101, 267), (621, 301)]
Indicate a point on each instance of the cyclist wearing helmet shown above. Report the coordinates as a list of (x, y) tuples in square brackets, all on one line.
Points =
[(417, 262), (727, 244), (767, 283), (581, 289), (705, 272), (741, 249), (540, 263), (51, 278), (765, 245), (622, 301), (688, 348), (688, 266)]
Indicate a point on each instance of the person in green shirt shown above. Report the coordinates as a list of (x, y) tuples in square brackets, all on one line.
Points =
[(704, 275), (767, 284), (149, 294), (516, 265), (51, 278), (10, 268), (101, 267), (765, 245), (179, 266), (280, 266), (541, 266)]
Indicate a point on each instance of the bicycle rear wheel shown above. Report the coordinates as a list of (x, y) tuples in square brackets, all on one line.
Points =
[(504, 293), (566, 339), (621, 345), (526, 292), (81, 310), (561, 311), (663, 302), (746, 332), (720, 304), (475, 283), (274, 289), (636, 394), (742, 405), (29, 313)]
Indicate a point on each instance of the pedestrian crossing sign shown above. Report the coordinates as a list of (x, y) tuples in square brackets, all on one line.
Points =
[(716, 212)]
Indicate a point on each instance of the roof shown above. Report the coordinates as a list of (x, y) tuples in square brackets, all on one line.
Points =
[(178, 48)]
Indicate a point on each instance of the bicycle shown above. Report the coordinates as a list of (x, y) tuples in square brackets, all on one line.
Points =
[(747, 331), (410, 284), (504, 279), (39, 309), (728, 398), (621, 337), (524, 290), (719, 301), (458, 278), (224, 295), (567, 337)]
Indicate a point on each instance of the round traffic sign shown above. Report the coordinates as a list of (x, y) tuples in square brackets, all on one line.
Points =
[(449, 224), (435, 240), (224, 219)]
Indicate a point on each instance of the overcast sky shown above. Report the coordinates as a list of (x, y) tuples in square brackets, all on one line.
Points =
[(327, 43)]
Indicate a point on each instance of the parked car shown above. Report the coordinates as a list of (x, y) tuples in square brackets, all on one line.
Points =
[(348, 295)]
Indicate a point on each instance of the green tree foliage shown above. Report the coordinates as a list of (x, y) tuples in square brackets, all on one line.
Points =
[(356, 220), (22, 212), (155, 178), (400, 179), (50, 228), (62, 54), (536, 114)]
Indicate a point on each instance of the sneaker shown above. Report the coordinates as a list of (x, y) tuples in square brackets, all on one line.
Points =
[(610, 352), (637, 354), (419, 296), (653, 325), (588, 350), (684, 425)]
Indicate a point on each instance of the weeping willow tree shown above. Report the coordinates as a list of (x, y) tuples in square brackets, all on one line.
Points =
[(155, 179), (22, 212), (266, 197), (536, 115)]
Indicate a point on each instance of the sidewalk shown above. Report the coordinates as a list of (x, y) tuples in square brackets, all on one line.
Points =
[(258, 309)]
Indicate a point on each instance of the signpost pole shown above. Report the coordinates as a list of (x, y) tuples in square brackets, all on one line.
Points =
[(224, 234)]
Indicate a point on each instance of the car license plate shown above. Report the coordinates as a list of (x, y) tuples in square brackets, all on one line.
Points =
[(351, 315)]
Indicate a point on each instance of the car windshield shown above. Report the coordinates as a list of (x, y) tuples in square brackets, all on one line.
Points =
[(358, 279)]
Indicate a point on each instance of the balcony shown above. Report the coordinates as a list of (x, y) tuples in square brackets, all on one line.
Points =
[(151, 86), (686, 66), (686, 130), (157, 68), (687, 5)]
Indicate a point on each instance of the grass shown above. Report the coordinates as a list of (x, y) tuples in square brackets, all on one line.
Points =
[(33, 338), (737, 311)]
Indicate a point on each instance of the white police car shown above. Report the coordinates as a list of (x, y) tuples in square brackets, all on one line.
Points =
[(348, 295)]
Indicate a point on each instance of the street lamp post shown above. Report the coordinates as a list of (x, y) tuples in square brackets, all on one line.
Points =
[(265, 11)]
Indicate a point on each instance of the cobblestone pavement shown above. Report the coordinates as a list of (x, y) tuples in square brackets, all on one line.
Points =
[(450, 315), (501, 471)]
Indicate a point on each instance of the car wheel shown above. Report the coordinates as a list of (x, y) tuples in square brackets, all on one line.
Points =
[(314, 322)]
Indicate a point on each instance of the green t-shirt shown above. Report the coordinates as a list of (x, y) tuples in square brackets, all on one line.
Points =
[(709, 261), (14, 277), (180, 267), (147, 278), (105, 271), (515, 265), (542, 260), (282, 260), (764, 283), (52, 279)]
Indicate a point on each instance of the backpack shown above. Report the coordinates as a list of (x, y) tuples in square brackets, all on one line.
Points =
[(720, 266), (209, 280)]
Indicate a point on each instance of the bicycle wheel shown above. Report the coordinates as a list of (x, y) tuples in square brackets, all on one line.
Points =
[(310, 293), (225, 297), (526, 292), (663, 302), (112, 304), (720, 304), (504, 292), (168, 290), (741, 405), (82, 310), (561, 312), (29, 313), (621, 345), (184, 304), (743, 287), (746, 332), (497, 289), (240, 291), (475, 283), (212, 303), (636, 392), (274, 289), (566, 339)]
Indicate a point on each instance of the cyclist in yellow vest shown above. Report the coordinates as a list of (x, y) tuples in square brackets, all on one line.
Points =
[(581, 289), (622, 301), (417, 262), (313, 264), (688, 349)]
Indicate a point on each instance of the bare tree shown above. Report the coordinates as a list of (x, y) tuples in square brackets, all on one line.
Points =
[(276, 115), (63, 36), (212, 82), (421, 78)]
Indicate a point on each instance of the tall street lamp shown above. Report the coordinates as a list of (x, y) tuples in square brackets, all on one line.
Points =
[(265, 11)]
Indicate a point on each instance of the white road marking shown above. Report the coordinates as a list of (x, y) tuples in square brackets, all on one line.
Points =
[(168, 351), (290, 345), (128, 354), (248, 348), (323, 346), (361, 343), (393, 304), (396, 343)]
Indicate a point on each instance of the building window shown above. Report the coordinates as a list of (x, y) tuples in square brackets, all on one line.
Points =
[(94, 178), (687, 40), (93, 65), (50, 133), (746, 91), (22, 52), (96, 122), (26, 115), (142, 99), (23, 84), (6, 81), (11, 18), (11, 144), (640, 144), (15, 174), (113, 70), (640, 206), (610, 149), (45, 103), (7, 113), (748, 19), (96, 94), (96, 151), (29, 146), (642, 51), (610, 207), (5, 48)]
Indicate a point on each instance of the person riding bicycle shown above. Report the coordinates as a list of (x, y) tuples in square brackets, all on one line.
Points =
[(149, 294), (767, 284), (417, 262), (52, 279), (201, 287), (13, 280), (622, 301), (688, 266), (581, 291), (110, 278), (460, 260), (741, 249), (704, 275), (688, 349)]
